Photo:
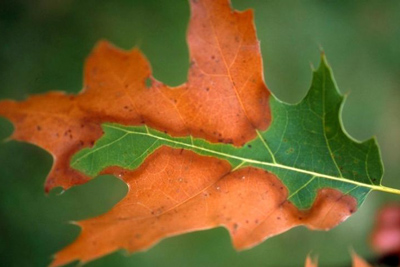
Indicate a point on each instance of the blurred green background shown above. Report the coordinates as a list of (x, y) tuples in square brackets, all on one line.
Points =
[(43, 45)]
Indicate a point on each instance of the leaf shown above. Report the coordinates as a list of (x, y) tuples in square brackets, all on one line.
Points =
[(225, 94), (200, 155)]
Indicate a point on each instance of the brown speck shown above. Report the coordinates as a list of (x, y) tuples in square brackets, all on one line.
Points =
[(38, 128)]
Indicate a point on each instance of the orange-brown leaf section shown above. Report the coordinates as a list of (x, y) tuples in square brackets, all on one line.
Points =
[(224, 99), (177, 191)]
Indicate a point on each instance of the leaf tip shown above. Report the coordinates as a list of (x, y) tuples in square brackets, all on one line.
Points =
[(324, 61), (74, 223)]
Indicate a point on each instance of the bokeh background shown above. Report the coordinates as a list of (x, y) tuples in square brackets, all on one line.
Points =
[(43, 45)]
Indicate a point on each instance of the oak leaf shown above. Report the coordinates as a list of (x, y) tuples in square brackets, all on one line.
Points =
[(204, 154)]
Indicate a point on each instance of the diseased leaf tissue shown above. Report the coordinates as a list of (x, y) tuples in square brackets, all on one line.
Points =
[(218, 150)]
